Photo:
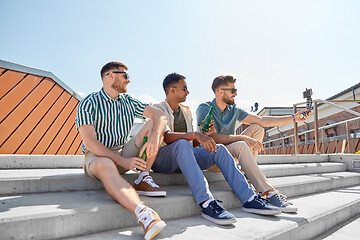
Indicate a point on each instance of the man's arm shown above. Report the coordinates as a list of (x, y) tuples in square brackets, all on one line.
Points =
[(91, 143), (267, 121), (207, 142), (227, 139), (271, 121), (160, 121)]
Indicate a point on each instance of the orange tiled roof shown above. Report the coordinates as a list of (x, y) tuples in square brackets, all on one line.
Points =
[(37, 112)]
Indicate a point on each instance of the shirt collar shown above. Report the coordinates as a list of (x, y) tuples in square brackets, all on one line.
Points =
[(213, 103), (107, 98), (168, 107)]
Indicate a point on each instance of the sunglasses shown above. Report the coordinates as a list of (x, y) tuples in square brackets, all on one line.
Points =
[(127, 76), (184, 88), (233, 90)]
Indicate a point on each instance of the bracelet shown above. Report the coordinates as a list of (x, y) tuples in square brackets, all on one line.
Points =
[(293, 117)]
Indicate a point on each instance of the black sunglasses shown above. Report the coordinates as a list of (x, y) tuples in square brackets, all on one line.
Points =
[(233, 90), (184, 88), (127, 76)]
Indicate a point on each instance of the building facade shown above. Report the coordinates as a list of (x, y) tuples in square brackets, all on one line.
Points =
[(342, 135)]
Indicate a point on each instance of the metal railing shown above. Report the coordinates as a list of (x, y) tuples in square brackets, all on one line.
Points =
[(295, 137)]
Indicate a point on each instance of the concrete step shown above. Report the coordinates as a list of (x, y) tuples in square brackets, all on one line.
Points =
[(351, 160), (51, 180), (18, 161), (285, 159), (69, 214), (346, 230), (317, 213), (293, 186), (54, 180), (73, 213), (280, 170)]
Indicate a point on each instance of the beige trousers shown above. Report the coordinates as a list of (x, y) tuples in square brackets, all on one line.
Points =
[(247, 158), (255, 131), (128, 150)]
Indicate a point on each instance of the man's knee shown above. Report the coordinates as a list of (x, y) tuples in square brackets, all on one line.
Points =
[(224, 152), (101, 165), (182, 143), (257, 131), (147, 127), (139, 138), (256, 127), (240, 145), (221, 147), (149, 124), (237, 148)]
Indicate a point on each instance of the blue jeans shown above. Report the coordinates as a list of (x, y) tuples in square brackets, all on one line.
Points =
[(181, 157)]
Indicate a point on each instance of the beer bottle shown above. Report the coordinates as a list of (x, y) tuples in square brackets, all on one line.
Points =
[(143, 156), (208, 118)]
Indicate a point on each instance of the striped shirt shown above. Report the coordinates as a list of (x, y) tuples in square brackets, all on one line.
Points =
[(112, 118)]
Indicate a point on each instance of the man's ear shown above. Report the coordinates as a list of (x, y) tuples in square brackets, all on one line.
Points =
[(172, 90)]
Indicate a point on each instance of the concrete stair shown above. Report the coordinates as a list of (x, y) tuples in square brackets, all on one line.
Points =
[(13, 181), (49, 197), (313, 218), (346, 230)]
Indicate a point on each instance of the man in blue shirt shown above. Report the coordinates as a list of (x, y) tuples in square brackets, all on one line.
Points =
[(244, 147)]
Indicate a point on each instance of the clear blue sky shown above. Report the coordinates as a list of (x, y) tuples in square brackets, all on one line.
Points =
[(275, 48)]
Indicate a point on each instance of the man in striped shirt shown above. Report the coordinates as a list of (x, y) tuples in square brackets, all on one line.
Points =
[(104, 120)]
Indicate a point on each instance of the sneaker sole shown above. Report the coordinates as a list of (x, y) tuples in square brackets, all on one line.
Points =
[(154, 230), (219, 221), (268, 212), (289, 210), (152, 194)]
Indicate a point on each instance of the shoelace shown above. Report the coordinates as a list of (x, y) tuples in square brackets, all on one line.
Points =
[(150, 181), (217, 207), (146, 217), (261, 200), (283, 199)]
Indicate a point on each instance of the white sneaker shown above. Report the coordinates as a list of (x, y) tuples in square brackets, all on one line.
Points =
[(150, 222)]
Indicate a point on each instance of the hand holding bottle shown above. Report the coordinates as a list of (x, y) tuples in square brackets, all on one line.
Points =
[(207, 120)]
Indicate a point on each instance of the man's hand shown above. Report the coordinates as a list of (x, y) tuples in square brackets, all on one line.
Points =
[(253, 143), (151, 146), (211, 128), (208, 143), (132, 163), (299, 117)]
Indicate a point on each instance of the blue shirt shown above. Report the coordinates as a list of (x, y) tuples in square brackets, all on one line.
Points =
[(224, 121)]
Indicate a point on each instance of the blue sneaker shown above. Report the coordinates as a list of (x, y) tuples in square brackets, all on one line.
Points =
[(260, 206), (217, 214), (279, 200)]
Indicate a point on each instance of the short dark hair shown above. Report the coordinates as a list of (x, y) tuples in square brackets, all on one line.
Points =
[(222, 80), (170, 79), (111, 66)]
